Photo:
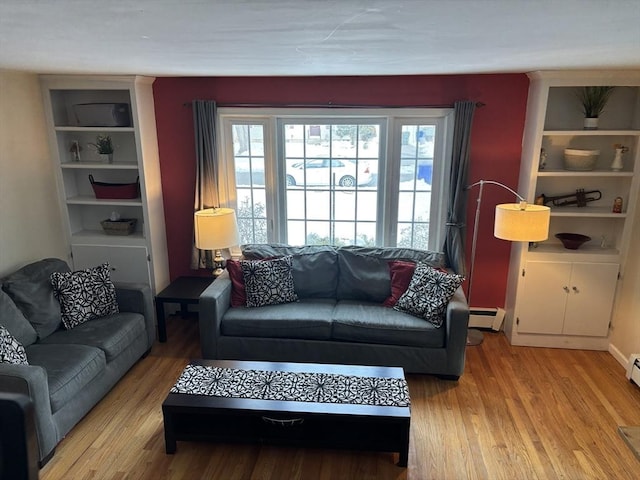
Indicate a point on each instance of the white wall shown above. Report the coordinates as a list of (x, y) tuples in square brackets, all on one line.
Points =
[(30, 226), (625, 336)]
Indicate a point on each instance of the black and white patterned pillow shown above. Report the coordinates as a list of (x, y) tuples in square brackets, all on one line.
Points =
[(268, 282), (85, 294), (11, 350), (429, 293)]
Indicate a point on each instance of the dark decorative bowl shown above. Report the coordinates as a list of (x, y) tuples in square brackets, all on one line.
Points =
[(572, 241)]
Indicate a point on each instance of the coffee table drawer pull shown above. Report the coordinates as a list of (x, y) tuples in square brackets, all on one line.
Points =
[(289, 422)]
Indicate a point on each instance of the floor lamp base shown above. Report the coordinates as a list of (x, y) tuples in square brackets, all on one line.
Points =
[(474, 337)]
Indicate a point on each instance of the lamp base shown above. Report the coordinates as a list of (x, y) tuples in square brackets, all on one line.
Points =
[(217, 271), (218, 263), (474, 337)]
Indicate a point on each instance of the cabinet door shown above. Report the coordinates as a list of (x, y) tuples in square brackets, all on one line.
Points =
[(544, 297), (590, 299), (128, 264)]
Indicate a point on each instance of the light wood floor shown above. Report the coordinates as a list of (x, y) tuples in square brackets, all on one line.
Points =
[(516, 413)]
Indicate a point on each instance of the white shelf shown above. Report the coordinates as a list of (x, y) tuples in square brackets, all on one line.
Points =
[(94, 129), (589, 212), (100, 166), (89, 200), (592, 133), (98, 237), (546, 248), (553, 172)]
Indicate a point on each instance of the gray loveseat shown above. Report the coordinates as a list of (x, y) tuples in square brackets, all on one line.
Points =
[(69, 371), (339, 317)]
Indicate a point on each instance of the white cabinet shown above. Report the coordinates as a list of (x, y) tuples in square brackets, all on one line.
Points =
[(128, 263), (79, 109), (554, 122), (564, 298)]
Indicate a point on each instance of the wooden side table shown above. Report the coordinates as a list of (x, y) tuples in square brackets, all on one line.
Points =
[(183, 290)]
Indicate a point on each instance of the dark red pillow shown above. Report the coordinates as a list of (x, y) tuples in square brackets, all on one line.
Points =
[(238, 292), (401, 273)]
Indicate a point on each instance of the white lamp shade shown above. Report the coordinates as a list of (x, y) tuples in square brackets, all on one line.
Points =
[(522, 222), (216, 228)]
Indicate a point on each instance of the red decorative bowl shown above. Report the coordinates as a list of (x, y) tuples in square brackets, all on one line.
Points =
[(572, 241)]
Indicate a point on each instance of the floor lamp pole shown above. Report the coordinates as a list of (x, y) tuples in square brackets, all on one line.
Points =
[(474, 337)]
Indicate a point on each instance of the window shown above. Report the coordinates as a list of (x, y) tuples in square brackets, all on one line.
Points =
[(347, 177)]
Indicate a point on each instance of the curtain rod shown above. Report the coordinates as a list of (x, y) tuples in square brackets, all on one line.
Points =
[(327, 105)]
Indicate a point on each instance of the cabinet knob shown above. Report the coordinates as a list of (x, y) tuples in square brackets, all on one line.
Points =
[(566, 289), (575, 289)]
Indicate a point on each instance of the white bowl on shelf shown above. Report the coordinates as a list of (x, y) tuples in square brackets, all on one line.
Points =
[(580, 160)]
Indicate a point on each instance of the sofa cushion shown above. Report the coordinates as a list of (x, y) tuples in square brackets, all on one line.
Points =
[(31, 290), (84, 294), (366, 322), (112, 334), (11, 350), (12, 318), (321, 260), (69, 368), (268, 282), (364, 271), (429, 293), (308, 318)]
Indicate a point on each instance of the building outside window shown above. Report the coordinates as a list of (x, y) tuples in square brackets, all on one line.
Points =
[(374, 177)]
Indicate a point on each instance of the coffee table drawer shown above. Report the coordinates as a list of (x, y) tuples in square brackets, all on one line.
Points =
[(304, 430)]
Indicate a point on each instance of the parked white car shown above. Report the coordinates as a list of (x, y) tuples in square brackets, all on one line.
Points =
[(319, 171)]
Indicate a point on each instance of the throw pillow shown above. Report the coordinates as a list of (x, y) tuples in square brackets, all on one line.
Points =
[(268, 282), (11, 350), (85, 294), (401, 273), (238, 292), (429, 293)]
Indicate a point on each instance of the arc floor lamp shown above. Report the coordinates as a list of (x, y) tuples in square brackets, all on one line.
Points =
[(516, 222)]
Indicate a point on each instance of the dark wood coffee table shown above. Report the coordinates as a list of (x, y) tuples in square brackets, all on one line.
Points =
[(189, 417)]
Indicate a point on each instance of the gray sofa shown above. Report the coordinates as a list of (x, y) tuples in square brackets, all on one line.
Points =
[(69, 371), (338, 318)]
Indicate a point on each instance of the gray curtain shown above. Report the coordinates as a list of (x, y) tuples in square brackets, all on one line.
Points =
[(204, 125), (457, 209)]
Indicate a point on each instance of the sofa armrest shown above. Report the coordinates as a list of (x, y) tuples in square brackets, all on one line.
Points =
[(213, 304), (31, 380), (137, 298), (457, 325)]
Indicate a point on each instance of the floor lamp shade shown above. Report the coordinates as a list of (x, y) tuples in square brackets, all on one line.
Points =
[(216, 228), (522, 222)]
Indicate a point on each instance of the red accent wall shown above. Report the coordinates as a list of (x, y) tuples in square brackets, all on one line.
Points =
[(495, 144)]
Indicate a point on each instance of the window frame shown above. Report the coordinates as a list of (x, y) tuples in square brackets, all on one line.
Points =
[(391, 120)]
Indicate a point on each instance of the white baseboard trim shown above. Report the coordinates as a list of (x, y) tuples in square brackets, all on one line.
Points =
[(617, 354)]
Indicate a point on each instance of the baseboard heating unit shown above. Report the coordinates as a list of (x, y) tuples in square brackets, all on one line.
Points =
[(633, 368), (486, 318)]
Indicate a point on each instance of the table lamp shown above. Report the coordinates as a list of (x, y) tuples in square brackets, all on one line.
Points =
[(516, 222), (215, 229)]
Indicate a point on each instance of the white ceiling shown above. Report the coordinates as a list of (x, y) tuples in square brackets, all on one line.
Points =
[(317, 37)]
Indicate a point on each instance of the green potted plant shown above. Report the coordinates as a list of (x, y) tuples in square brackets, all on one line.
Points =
[(104, 147), (593, 100)]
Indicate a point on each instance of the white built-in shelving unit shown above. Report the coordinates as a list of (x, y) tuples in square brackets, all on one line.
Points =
[(142, 255), (558, 297)]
